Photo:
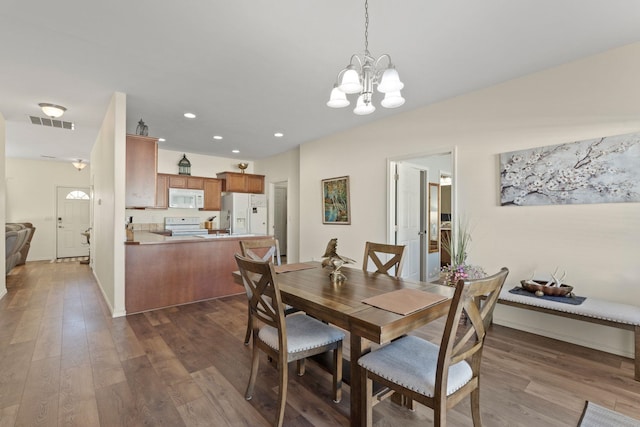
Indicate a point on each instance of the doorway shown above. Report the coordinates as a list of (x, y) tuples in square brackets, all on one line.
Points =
[(413, 181), (280, 215), (72, 213)]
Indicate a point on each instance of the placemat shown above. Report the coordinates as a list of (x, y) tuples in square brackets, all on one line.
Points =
[(574, 300), (284, 268), (404, 301)]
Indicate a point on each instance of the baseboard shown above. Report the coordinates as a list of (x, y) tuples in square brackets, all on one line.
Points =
[(119, 313)]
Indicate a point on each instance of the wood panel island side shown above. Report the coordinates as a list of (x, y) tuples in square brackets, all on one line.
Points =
[(163, 271)]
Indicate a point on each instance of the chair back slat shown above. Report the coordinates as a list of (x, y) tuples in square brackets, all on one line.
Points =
[(265, 302), (262, 249), (477, 299), (373, 252)]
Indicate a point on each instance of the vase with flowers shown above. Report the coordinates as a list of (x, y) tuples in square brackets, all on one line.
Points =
[(457, 245)]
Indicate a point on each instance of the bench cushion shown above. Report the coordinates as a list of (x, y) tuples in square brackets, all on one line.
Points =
[(591, 307)]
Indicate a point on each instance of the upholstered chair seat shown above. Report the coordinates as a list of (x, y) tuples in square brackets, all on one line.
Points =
[(412, 362)]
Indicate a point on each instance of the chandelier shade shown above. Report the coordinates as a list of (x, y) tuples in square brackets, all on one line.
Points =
[(392, 100), (338, 98), (363, 107), (390, 81), (362, 74)]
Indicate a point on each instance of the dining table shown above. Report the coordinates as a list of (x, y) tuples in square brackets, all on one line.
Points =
[(349, 305)]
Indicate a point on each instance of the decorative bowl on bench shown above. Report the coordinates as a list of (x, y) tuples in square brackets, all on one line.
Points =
[(539, 285)]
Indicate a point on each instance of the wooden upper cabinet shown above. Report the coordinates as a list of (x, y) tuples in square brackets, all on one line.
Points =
[(242, 182), (212, 194), (162, 191), (186, 181), (141, 167)]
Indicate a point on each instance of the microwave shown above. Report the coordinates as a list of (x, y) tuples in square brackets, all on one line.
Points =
[(185, 198)]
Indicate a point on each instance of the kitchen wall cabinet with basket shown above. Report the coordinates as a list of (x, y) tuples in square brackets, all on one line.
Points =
[(141, 166), (242, 182)]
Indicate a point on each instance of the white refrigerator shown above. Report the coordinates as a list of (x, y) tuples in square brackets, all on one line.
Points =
[(244, 213)]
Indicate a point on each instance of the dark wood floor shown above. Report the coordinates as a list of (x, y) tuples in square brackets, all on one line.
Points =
[(65, 361)]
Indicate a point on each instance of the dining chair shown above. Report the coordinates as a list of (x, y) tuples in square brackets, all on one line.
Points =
[(262, 250), (284, 339), (372, 252), (439, 376)]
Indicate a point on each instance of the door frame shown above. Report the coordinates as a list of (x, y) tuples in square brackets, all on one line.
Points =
[(391, 183)]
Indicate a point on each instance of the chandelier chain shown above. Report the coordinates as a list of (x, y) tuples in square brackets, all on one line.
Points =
[(366, 27)]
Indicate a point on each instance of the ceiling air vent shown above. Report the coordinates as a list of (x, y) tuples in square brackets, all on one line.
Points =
[(45, 121)]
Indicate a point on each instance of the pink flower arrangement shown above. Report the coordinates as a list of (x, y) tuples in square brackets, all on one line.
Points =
[(452, 273)]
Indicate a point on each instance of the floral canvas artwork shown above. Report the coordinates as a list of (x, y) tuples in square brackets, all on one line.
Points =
[(601, 170)]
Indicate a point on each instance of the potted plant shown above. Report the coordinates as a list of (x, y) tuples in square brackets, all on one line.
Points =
[(456, 245)]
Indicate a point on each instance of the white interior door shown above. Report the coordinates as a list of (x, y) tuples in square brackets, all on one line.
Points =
[(72, 220), (408, 217)]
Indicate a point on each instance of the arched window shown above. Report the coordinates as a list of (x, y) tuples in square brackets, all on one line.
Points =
[(77, 195)]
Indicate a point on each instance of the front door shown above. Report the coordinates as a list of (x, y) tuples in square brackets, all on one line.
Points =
[(72, 220)]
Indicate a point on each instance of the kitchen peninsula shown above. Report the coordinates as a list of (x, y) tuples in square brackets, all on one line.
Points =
[(162, 271)]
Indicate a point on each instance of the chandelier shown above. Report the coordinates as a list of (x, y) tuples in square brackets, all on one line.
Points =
[(362, 74)]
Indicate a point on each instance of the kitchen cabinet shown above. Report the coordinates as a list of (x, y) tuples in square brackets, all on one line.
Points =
[(212, 190), (242, 182), (162, 191), (141, 167), (186, 181)]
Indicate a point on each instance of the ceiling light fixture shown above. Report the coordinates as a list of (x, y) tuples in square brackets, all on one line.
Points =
[(161, 139), (278, 134), (190, 115), (79, 164), (52, 110), (235, 151), (362, 73), (217, 137)]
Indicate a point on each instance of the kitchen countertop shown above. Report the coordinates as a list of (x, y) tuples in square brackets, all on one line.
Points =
[(151, 238)]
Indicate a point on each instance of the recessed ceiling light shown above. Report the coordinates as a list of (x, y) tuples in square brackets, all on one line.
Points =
[(161, 139), (190, 115), (278, 134), (217, 137), (235, 151)]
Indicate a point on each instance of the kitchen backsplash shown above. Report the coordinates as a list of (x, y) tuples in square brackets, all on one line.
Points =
[(153, 220)]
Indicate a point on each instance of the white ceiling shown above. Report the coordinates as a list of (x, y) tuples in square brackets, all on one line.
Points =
[(252, 68)]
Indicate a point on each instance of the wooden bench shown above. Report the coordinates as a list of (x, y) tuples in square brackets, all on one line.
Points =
[(593, 310)]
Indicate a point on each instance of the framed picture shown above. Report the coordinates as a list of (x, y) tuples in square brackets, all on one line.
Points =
[(335, 201), (600, 170)]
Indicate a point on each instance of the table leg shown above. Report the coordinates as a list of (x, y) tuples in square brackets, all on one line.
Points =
[(358, 406)]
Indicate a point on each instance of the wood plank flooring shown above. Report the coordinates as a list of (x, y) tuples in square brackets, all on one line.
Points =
[(65, 362)]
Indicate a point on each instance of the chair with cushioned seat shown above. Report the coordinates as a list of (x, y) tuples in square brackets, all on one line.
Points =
[(439, 376), (284, 339), (262, 250), (372, 251)]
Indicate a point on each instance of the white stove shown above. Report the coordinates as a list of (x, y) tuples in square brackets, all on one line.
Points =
[(184, 226)]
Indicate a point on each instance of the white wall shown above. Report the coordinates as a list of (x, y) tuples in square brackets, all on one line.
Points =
[(3, 255), (108, 181), (285, 167), (597, 244), (31, 197)]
